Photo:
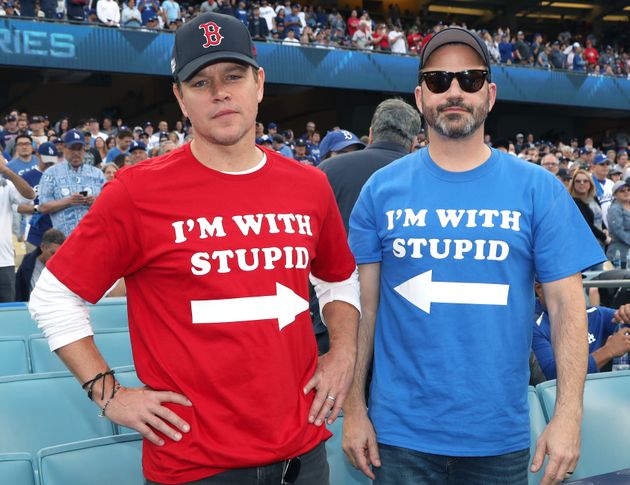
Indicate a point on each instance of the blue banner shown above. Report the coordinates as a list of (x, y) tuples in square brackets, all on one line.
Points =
[(80, 47)]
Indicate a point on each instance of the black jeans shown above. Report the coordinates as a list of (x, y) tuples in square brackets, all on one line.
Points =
[(7, 284), (313, 471)]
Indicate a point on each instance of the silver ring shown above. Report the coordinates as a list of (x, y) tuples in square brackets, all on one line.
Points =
[(332, 398)]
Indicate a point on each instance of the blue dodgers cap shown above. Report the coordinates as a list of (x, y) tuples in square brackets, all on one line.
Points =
[(209, 38), (600, 159), (335, 141), (73, 137), (137, 145), (48, 152)]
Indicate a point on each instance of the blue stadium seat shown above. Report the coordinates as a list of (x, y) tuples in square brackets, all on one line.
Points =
[(109, 313), (16, 320), (606, 421), (41, 410), (17, 468), (341, 472), (537, 423), (100, 461), (114, 345), (13, 356)]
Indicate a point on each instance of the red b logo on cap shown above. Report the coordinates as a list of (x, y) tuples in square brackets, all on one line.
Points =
[(211, 32)]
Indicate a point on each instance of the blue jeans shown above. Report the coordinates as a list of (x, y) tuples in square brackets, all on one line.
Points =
[(313, 471), (401, 466)]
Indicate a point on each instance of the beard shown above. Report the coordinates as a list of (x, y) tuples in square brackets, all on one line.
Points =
[(456, 125)]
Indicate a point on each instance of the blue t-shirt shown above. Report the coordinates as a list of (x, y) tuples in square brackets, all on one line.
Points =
[(506, 50), (600, 327), (38, 223), (20, 167), (458, 253)]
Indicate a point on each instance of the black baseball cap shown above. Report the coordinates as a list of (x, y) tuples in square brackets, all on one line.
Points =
[(455, 35), (210, 38)]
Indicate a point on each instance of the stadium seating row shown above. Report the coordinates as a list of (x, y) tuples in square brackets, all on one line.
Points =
[(20, 355), (15, 320), (48, 417)]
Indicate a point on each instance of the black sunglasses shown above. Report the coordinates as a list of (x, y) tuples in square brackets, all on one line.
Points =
[(470, 81)]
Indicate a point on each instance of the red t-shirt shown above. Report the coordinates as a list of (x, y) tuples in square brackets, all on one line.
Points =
[(179, 233), (591, 55), (353, 25)]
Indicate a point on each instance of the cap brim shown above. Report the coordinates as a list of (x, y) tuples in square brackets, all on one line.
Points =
[(344, 144), (190, 69), (49, 158), (453, 36)]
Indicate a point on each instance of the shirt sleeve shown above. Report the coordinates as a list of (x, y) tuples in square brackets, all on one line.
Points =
[(46, 188), (333, 260), (555, 232), (364, 240), (541, 345), (85, 263)]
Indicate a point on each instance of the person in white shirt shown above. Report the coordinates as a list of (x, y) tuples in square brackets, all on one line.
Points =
[(290, 39), (108, 12), (397, 42), (268, 13), (131, 16), (14, 190)]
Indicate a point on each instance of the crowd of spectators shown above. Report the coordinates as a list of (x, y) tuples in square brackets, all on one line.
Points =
[(294, 24), (34, 144)]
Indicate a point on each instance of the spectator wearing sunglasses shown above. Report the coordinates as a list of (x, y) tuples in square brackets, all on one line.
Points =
[(431, 290)]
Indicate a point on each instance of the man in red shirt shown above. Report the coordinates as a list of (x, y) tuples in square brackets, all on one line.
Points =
[(590, 54), (216, 241)]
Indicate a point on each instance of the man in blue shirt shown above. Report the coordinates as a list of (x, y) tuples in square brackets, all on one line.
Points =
[(24, 159), (68, 189), (38, 224), (123, 142), (448, 240), (604, 342)]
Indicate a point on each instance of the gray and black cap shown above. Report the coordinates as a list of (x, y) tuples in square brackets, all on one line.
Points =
[(455, 35), (210, 38)]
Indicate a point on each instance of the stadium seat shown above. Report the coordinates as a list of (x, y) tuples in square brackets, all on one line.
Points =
[(114, 345), (109, 313), (17, 468), (16, 320), (340, 469), (606, 421), (13, 356), (537, 423), (100, 461), (41, 410)]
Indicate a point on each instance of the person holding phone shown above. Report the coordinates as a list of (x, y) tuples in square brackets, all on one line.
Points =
[(67, 190)]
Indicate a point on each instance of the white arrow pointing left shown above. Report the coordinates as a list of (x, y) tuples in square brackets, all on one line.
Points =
[(285, 305), (421, 291)]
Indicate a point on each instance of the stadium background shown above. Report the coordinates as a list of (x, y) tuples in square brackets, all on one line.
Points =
[(82, 70)]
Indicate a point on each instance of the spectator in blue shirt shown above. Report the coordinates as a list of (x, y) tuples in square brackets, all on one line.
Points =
[(603, 343), (123, 141), (148, 9), (172, 10), (280, 146), (24, 159), (506, 49)]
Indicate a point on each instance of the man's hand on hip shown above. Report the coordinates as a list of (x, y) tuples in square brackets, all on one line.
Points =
[(141, 409)]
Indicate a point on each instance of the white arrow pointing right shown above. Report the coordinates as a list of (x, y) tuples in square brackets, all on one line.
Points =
[(421, 291), (285, 305)]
